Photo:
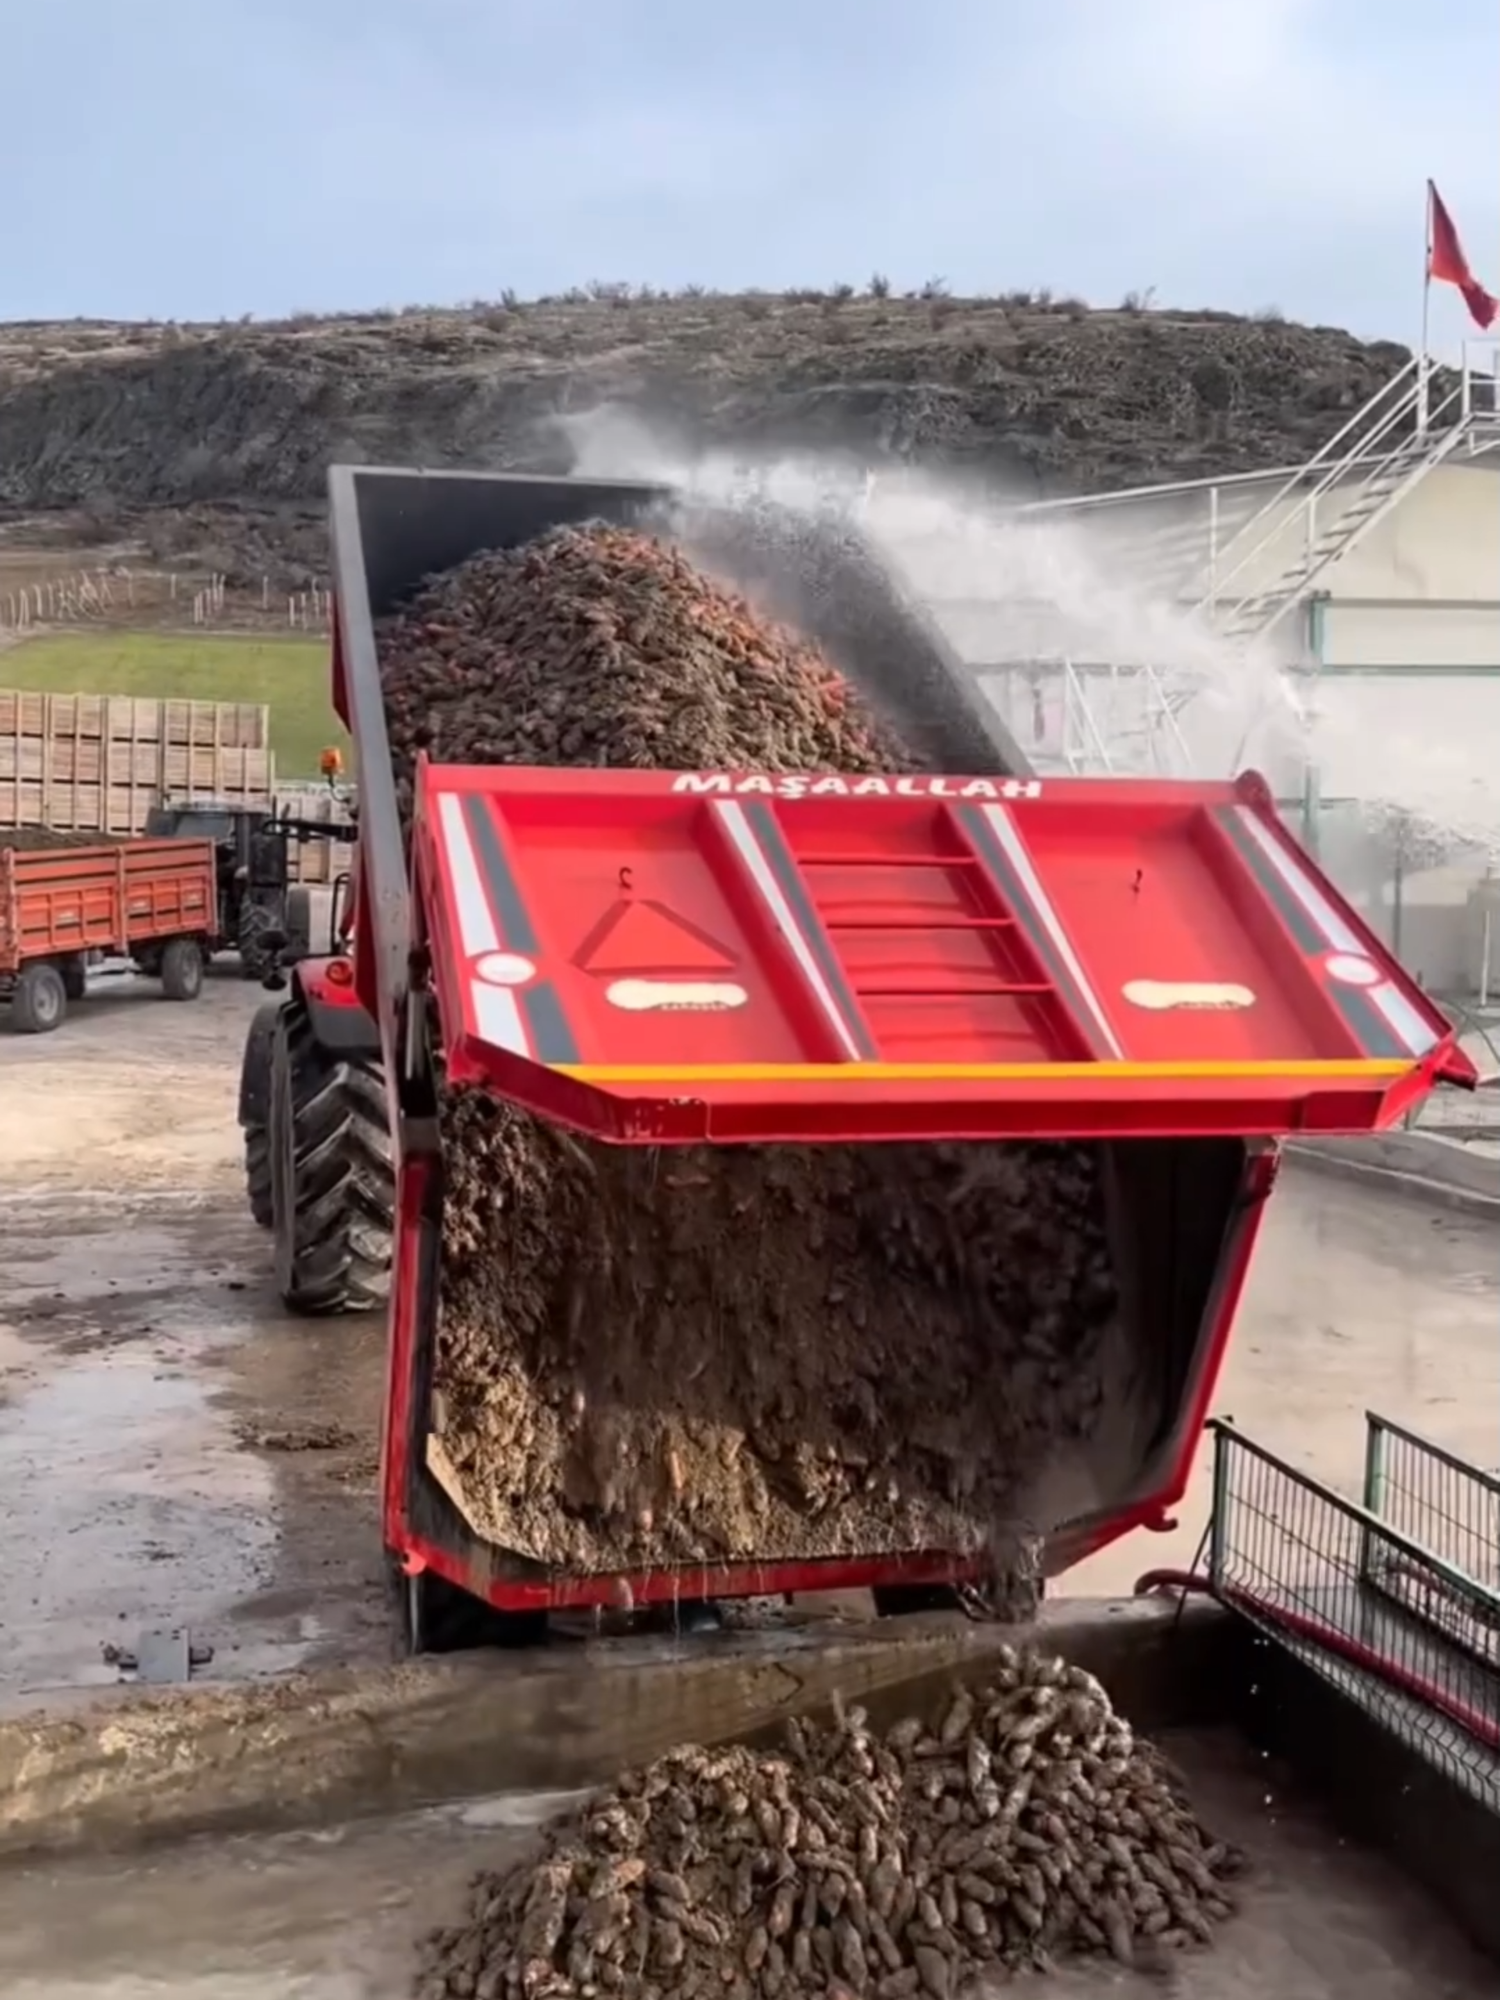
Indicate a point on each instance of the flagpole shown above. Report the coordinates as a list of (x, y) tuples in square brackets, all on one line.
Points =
[(1422, 361)]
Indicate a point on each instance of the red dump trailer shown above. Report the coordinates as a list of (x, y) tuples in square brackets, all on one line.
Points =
[(65, 907), (664, 958)]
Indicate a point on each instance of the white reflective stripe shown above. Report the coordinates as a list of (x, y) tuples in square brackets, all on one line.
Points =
[(740, 831), (497, 1013), (476, 924), (1019, 855), (1389, 1001), (1301, 884), (497, 1016), (1403, 1019)]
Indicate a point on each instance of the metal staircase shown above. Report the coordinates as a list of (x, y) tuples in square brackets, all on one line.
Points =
[(1277, 557)]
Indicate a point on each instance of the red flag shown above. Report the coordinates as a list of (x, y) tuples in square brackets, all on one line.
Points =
[(1447, 263)]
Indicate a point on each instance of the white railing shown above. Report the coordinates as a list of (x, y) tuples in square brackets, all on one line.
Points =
[(1083, 746), (1366, 466), (1077, 721), (1479, 384), (1347, 451)]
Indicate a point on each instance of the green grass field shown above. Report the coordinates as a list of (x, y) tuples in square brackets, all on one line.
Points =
[(290, 675)]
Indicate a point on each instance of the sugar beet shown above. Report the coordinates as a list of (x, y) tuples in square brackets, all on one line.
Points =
[(1018, 1824)]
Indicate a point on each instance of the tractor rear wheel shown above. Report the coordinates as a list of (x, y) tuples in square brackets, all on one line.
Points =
[(256, 957), (332, 1174), (258, 1176), (255, 1112)]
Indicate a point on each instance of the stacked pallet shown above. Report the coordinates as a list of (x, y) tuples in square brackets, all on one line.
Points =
[(316, 861), (98, 763)]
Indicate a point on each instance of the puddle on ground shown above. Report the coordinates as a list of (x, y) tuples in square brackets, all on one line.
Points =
[(129, 1507), (129, 1501)]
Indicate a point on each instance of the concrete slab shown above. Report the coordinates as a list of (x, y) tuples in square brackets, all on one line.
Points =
[(1441, 1168), (1357, 1300)]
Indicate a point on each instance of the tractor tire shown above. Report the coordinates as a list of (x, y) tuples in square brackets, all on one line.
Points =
[(181, 969), (256, 957), (298, 921), (258, 1176), (39, 1001), (255, 1111), (332, 1175)]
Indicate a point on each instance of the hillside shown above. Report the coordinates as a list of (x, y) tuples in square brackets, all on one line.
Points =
[(209, 443)]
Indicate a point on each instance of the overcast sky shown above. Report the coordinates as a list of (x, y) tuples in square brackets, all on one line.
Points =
[(203, 158)]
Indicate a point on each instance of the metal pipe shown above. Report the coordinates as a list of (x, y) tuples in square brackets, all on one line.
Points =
[(1213, 549)]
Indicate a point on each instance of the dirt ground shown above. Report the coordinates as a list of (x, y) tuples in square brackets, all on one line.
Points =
[(335, 1915), (174, 1450)]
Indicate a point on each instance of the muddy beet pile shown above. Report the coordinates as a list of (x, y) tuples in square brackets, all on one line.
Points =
[(31, 839), (711, 1354), (1027, 1825)]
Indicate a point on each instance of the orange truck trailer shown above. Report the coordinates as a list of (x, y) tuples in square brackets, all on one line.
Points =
[(66, 909)]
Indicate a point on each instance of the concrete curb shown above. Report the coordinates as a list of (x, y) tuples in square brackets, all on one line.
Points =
[(1417, 1165), (324, 1747)]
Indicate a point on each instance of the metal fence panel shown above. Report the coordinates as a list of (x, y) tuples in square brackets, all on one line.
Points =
[(1298, 1559)]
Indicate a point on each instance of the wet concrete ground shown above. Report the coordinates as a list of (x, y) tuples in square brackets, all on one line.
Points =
[(174, 1450), (337, 1915)]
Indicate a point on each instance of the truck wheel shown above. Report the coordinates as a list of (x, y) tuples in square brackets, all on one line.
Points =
[(181, 969), (75, 978), (250, 940), (332, 1174), (298, 924), (39, 1001), (255, 1111)]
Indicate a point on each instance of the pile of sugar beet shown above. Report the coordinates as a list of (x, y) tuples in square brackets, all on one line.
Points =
[(651, 1356), (34, 839), (1024, 1824)]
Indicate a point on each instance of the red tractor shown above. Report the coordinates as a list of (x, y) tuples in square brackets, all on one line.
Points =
[(319, 1168)]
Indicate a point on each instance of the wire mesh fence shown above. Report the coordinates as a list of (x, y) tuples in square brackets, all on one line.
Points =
[(1452, 1508), (1309, 1567)]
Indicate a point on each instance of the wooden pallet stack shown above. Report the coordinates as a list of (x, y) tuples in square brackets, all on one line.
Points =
[(315, 862), (98, 763)]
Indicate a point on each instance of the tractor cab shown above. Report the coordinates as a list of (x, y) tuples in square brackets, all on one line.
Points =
[(260, 908)]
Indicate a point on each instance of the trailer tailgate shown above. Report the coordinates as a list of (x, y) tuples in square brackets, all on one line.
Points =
[(710, 955)]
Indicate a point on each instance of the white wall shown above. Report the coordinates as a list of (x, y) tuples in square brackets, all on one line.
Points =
[(1443, 541), (1427, 742), (1412, 634)]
